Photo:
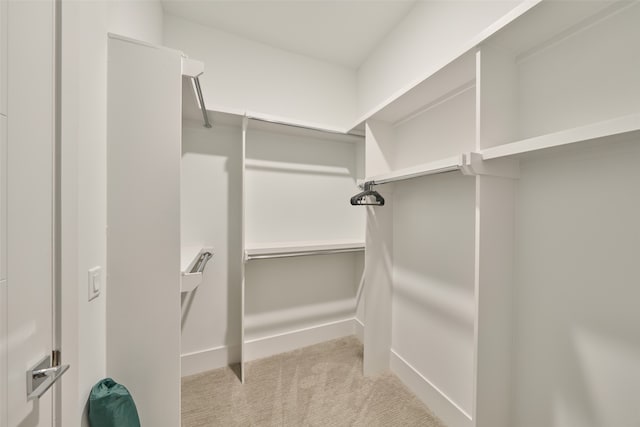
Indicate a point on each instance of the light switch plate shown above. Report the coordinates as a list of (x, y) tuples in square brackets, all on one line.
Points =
[(95, 282)]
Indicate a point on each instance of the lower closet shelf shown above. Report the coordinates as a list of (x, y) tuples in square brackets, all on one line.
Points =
[(294, 249)]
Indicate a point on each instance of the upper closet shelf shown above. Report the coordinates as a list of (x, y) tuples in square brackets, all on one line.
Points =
[(529, 27), (551, 21), (456, 77), (311, 130), (622, 126), (454, 70), (293, 249)]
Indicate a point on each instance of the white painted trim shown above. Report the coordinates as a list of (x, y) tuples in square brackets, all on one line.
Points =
[(192, 68), (3, 352), (312, 126), (206, 360), (607, 128), (126, 39), (219, 357), (268, 346), (440, 404), (359, 329)]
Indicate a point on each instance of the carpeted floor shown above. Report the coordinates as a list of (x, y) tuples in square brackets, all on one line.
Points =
[(321, 385)]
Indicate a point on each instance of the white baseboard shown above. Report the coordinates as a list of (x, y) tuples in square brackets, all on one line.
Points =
[(440, 404), (288, 341), (219, 357), (206, 360), (359, 329)]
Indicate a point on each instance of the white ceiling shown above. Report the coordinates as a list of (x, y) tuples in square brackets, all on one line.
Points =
[(338, 31)]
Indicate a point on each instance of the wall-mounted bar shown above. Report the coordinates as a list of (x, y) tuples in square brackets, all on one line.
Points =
[(372, 197), (205, 116), (296, 249), (415, 175), (302, 253), (448, 164), (194, 261), (469, 164), (199, 266)]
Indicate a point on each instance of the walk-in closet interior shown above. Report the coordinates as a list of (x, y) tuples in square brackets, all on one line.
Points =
[(445, 194)]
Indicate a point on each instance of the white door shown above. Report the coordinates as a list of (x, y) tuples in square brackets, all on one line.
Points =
[(30, 211)]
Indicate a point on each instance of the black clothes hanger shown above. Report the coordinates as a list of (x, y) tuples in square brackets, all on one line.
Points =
[(364, 198)]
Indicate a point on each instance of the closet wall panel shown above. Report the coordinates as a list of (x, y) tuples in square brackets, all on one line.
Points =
[(143, 220), (298, 189), (433, 274), (570, 81), (420, 139), (577, 345), (3, 283), (298, 183), (293, 294), (3, 58), (211, 199)]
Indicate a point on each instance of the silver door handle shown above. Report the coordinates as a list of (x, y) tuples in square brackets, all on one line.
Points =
[(42, 376)]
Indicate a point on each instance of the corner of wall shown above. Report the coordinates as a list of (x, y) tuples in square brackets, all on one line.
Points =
[(141, 20), (427, 29)]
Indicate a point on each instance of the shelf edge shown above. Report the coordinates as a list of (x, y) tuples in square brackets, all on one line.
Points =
[(603, 129)]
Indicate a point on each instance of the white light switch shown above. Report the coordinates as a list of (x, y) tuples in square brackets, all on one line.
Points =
[(95, 279)]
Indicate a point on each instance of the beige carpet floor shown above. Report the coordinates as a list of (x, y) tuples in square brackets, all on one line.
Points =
[(320, 385)]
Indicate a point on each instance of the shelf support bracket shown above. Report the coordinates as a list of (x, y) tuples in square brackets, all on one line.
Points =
[(473, 165)]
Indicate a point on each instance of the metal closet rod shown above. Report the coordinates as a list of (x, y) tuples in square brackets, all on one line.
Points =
[(304, 253), (202, 262), (411, 176), (205, 116)]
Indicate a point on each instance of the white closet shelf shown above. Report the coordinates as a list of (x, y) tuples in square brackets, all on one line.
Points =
[(293, 249), (403, 102), (189, 280), (431, 168), (601, 130), (548, 22), (530, 26), (455, 77)]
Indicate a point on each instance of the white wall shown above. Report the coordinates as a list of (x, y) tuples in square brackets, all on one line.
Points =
[(433, 281), (246, 75), (143, 219), (289, 294), (576, 315), (3, 214), (552, 79), (284, 295), (138, 19), (211, 199), (298, 188), (429, 35), (84, 181)]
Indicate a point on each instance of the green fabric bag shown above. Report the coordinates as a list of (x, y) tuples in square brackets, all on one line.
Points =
[(111, 405)]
